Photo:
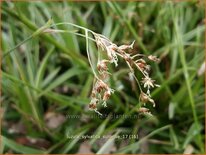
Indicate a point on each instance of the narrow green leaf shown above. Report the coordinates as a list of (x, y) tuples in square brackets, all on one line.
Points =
[(41, 70), (192, 133), (20, 148), (174, 138), (99, 131), (104, 149), (37, 32), (65, 76)]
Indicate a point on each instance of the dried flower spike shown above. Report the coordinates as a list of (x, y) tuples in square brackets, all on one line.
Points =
[(101, 91), (143, 110), (125, 47), (148, 83), (144, 98), (153, 58), (102, 66)]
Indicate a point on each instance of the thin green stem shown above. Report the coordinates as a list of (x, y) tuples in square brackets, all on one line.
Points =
[(68, 23), (36, 33), (88, 55), (186, 75), (65, 31)]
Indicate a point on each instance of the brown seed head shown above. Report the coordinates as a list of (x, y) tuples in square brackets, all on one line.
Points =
[(101, 86), (144, 97), (125, 47), (153, 58), (102, 65), (141, 65), (107, 95), (92, 105)]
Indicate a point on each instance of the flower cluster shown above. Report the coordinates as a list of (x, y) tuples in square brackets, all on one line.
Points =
[(101, 91)]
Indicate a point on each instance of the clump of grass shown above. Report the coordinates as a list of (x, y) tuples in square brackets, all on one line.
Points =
[(50, 72)]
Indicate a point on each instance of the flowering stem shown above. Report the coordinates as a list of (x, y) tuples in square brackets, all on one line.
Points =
[(88, 55), (65, 31), (132, 71), (80, 27)]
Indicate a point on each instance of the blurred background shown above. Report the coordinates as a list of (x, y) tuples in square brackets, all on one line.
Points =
[(46, 80)]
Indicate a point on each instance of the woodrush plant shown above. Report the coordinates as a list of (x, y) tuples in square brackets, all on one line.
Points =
[(174, 107), (101, 90)]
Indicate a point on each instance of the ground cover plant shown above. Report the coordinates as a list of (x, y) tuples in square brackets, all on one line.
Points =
[(48, 82)]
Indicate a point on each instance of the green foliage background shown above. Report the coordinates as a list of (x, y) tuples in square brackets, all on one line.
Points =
[(35, 74)]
